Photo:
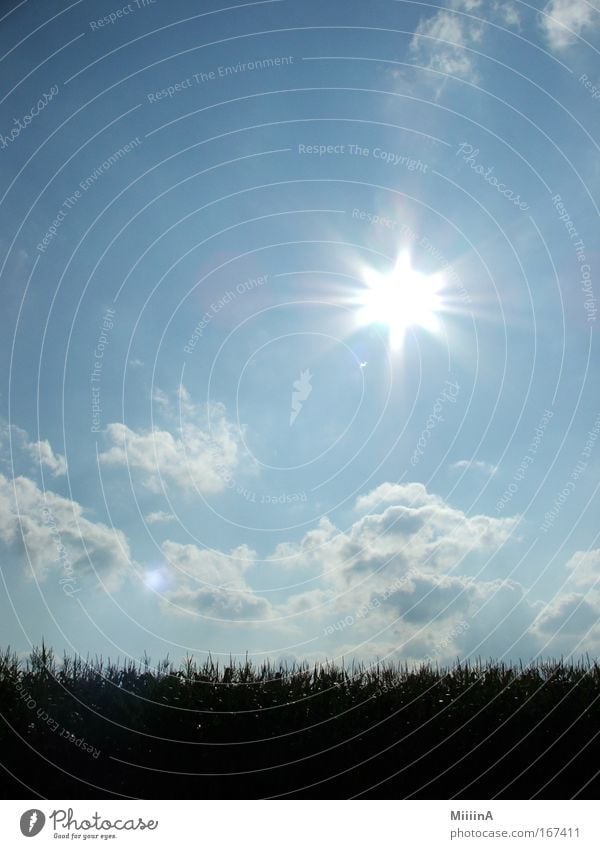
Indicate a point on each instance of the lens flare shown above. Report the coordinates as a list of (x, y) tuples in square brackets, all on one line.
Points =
[(399, 300)]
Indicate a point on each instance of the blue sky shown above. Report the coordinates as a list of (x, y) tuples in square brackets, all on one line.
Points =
[(299, 332)]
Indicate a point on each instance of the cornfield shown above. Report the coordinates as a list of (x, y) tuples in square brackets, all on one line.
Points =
[(93, 728)]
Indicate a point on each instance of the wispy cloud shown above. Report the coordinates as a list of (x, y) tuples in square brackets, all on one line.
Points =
[(440, 41), (447, 40), (158, 516), (508, 14), (474, 466), (564, 21)]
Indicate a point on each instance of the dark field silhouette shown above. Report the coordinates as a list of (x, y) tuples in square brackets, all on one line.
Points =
[(86, 729)]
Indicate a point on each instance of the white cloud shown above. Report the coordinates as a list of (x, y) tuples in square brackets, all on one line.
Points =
[(428, 599), (388, 493), (571, 621), (161, 399), (563, 21), (418, 531), (213, 568), (404, 581), (474, 465), (198, 447), (440, 43), (571, 615), (403, 561), (508, 14), (212, 584), (446, 41), (158, 516), (40, 452), (405, 566), (230, 605), (466, 5), (430, 535), (51, 534), (584, 569)]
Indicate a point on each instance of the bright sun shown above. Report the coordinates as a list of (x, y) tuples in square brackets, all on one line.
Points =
[(399, 300)]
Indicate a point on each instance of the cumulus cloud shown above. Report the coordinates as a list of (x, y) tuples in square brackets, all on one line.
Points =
[(428, 532), (197, 447), (426, 598), (404, 580), (213, 584), (228, 605), (52, 534), (570, 615), (439, 618), (388, 493), (571, 621), (564, 21), (43, 453), (462, 616), (401, 564), (40, 452), (399, 578), (418, 530), (584, 569)]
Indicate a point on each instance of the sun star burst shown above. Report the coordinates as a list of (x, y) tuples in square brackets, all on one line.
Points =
[(401, 299)]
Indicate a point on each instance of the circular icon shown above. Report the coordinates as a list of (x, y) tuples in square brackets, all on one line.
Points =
[(32, 822)]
